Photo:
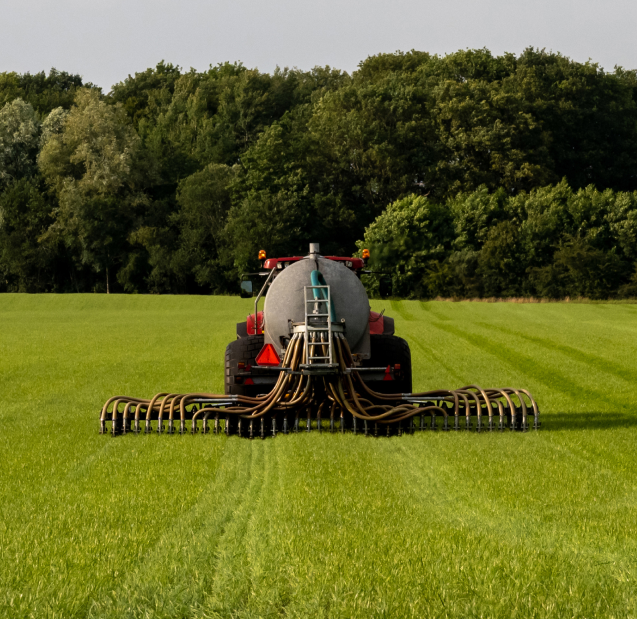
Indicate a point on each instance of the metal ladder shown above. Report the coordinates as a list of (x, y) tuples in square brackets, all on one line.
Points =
[(317, 328)]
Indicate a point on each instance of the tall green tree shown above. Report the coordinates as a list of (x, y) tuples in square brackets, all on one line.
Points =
[(19, 138), (204, 251), (409, 239), (90, 164), (43, 92), (27, 264)]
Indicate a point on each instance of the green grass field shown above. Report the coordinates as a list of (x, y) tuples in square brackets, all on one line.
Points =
[(430, 525)]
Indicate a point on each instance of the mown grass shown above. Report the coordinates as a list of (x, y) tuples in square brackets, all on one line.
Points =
[(430, 525)]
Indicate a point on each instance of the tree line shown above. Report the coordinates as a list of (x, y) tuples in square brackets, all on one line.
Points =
[(467, 175), (552, 242)]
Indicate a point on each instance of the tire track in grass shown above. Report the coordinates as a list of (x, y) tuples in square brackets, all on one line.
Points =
[(329, 546), (437, 359), (405, 314), (549, 377), (232, 582), (260, 542), (604, 365), (174, 578), (267, 594), (269, 591), (415, 333), (431, 309)]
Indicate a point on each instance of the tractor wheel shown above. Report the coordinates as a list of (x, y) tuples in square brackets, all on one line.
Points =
[(390, 350), (246, 350)]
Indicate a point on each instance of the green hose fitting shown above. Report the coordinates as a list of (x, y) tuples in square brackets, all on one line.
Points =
[(317, 279)]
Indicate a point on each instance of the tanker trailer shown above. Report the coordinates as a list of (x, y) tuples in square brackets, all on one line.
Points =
[(316, 358), (370, 335)]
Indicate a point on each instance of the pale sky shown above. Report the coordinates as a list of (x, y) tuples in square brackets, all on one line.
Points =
[(105, 40)]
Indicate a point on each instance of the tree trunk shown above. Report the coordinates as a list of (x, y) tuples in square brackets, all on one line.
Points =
[(108, 288)]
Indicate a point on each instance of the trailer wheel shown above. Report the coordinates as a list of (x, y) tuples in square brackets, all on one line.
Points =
[(390, 350), (246, 350)]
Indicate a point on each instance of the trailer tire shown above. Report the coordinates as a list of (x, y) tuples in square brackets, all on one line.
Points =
[(390, 350), (246, 350)]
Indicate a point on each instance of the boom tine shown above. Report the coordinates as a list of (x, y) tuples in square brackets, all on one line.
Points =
[(194, 409), (514, 409), (125, 416), (138, 410), (467, 408), (501, 413), (470, 394), (456, 416), (114, 417), (534, 406), (445, 427), (171, 427)]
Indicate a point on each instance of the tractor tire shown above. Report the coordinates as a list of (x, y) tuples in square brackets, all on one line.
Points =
[(244, 349), (390, 350)]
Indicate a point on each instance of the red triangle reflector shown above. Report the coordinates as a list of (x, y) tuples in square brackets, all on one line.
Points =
[(388, 375), (268, 356)]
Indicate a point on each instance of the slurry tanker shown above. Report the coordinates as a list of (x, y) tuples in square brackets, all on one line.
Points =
[(317, 359)]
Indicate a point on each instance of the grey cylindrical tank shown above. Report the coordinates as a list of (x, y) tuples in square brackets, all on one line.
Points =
[(284, 301)]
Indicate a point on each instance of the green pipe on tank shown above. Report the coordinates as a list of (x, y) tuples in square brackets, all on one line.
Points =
[(317, 279)]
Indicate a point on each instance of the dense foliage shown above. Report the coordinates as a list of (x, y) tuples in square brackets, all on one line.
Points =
[(551, 242), (505, 175)]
